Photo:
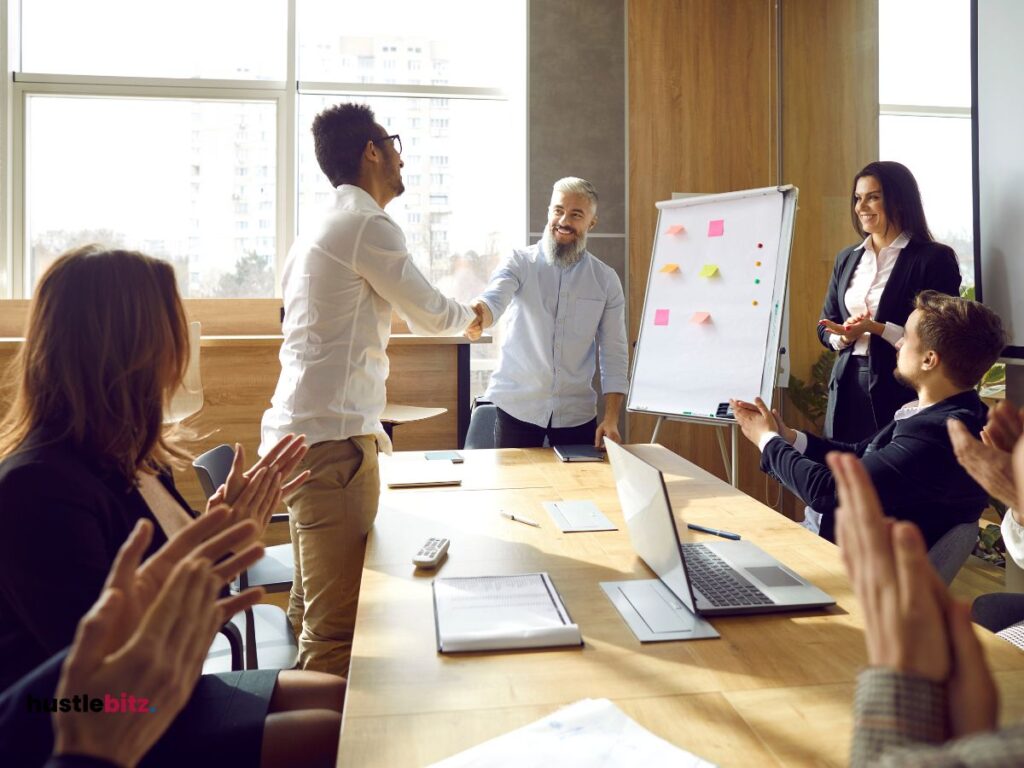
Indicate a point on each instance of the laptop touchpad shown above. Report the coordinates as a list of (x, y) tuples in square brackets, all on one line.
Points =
[(773, 576)]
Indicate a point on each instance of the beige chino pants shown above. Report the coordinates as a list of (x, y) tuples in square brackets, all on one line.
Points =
[(330, 516)]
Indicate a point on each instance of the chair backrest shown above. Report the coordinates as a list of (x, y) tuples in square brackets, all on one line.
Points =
[(950, 552), (481, 426), (213, 466)]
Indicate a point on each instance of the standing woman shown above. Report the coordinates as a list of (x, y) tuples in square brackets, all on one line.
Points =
[(871, 295)]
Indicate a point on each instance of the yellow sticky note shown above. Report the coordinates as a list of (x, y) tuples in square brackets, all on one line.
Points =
[(669, 268), (709, 270)]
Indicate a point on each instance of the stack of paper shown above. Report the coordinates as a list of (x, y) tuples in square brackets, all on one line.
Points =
[(482, 613), (592, 733)]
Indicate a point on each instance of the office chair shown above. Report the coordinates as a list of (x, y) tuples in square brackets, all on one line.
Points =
[(950, 552), (265, 628), (481, 425)]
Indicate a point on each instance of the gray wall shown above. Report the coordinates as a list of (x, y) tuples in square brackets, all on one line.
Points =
[(576, 94), (577, 113)]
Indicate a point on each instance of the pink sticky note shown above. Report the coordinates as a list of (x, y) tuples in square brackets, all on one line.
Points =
[(661, 317), (700, 317), (716, 227), (675, 229)]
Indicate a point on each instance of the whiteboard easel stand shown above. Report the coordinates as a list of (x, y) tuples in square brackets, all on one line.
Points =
[(730, 459)]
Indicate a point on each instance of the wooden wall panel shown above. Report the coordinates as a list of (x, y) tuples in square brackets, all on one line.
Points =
[(829, 132), (702, 85), (707, 97)]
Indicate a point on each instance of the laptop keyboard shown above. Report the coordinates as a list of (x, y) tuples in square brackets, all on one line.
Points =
[(717, 581)]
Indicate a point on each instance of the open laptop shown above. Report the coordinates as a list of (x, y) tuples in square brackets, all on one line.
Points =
[(712, 578)]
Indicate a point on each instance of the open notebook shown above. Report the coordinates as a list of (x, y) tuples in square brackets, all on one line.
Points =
[(484, 613)]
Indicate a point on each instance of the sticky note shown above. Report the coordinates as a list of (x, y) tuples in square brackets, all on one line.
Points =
[(700, 317), (675, 229), (716, 227), (709, 270), (669, 268), (661, 317)]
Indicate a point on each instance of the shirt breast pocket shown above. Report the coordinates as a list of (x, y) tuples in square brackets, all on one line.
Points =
[(586, 316)]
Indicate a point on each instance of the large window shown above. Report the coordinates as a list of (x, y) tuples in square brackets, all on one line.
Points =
[(925, 111), (182, 129)]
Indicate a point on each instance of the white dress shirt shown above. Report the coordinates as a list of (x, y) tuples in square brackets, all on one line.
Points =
[(340, 284), (555, 315), (865, 290), (1013, 538)]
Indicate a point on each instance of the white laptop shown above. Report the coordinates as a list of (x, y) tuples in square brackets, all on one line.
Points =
[(712, 578)]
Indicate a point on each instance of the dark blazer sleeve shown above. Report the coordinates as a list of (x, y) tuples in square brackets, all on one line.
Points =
[(898, 470), (54, 554), (833, 309), (943, 273)]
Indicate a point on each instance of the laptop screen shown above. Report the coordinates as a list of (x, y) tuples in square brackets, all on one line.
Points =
[(648, 514)]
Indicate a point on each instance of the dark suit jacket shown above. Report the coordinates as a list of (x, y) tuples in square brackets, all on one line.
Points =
[(910, 461), (921, 265), (63, 519)]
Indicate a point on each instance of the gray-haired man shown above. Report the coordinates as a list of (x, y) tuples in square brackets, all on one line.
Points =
[(563, 305)]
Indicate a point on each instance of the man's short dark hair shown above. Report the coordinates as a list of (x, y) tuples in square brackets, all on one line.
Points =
[(340, 134), (967, 335)]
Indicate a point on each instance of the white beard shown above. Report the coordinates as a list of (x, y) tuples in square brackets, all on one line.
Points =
[(563, 255)]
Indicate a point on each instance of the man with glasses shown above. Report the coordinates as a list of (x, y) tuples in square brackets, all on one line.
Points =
[(563, 303), (341, 281)]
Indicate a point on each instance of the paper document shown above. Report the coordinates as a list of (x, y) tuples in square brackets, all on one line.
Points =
[(573, 516), (592, 733), (483, 613)]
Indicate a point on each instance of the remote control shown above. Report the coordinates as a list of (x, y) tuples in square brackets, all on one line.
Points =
[(431, 553)]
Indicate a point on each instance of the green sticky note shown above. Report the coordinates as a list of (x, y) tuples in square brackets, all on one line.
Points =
[(709, 270)]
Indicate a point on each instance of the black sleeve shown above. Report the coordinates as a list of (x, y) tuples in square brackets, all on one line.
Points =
[(54, 554), (943, 273), (832, 307), (809, 479)]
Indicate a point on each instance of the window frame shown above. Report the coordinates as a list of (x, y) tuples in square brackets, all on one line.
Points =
[(284, 94)]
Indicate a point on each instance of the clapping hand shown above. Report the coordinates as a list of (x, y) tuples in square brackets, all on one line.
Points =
[(255, 493), (756, 418), (911, 623), (853, 328), (149, 633)]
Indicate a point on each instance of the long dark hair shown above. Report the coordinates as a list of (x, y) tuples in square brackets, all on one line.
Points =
[(106, 346), (901, 198)]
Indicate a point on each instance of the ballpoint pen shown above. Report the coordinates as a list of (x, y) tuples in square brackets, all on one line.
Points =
[(715, 531), (520, 519)]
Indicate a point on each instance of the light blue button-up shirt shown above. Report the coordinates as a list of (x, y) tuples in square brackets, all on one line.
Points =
[(557, 318)]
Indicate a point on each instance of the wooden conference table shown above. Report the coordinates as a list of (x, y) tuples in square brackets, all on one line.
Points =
[(773, 690)]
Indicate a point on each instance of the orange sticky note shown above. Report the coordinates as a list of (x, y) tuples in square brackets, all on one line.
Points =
[(669, 268), (700, 317), (675, 229), (716, 227), (709, 270), (661, 317)]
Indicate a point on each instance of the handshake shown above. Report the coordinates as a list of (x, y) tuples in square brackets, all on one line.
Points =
[(483, 320)]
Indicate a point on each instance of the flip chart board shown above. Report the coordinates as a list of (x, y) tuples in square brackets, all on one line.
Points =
[(711, 327)]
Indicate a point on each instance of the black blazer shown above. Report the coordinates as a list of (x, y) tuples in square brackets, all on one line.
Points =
[(921, 265), (910, 461), (63, 519)]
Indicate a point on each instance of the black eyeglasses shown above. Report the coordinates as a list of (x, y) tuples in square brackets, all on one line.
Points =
[(397, 141)]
